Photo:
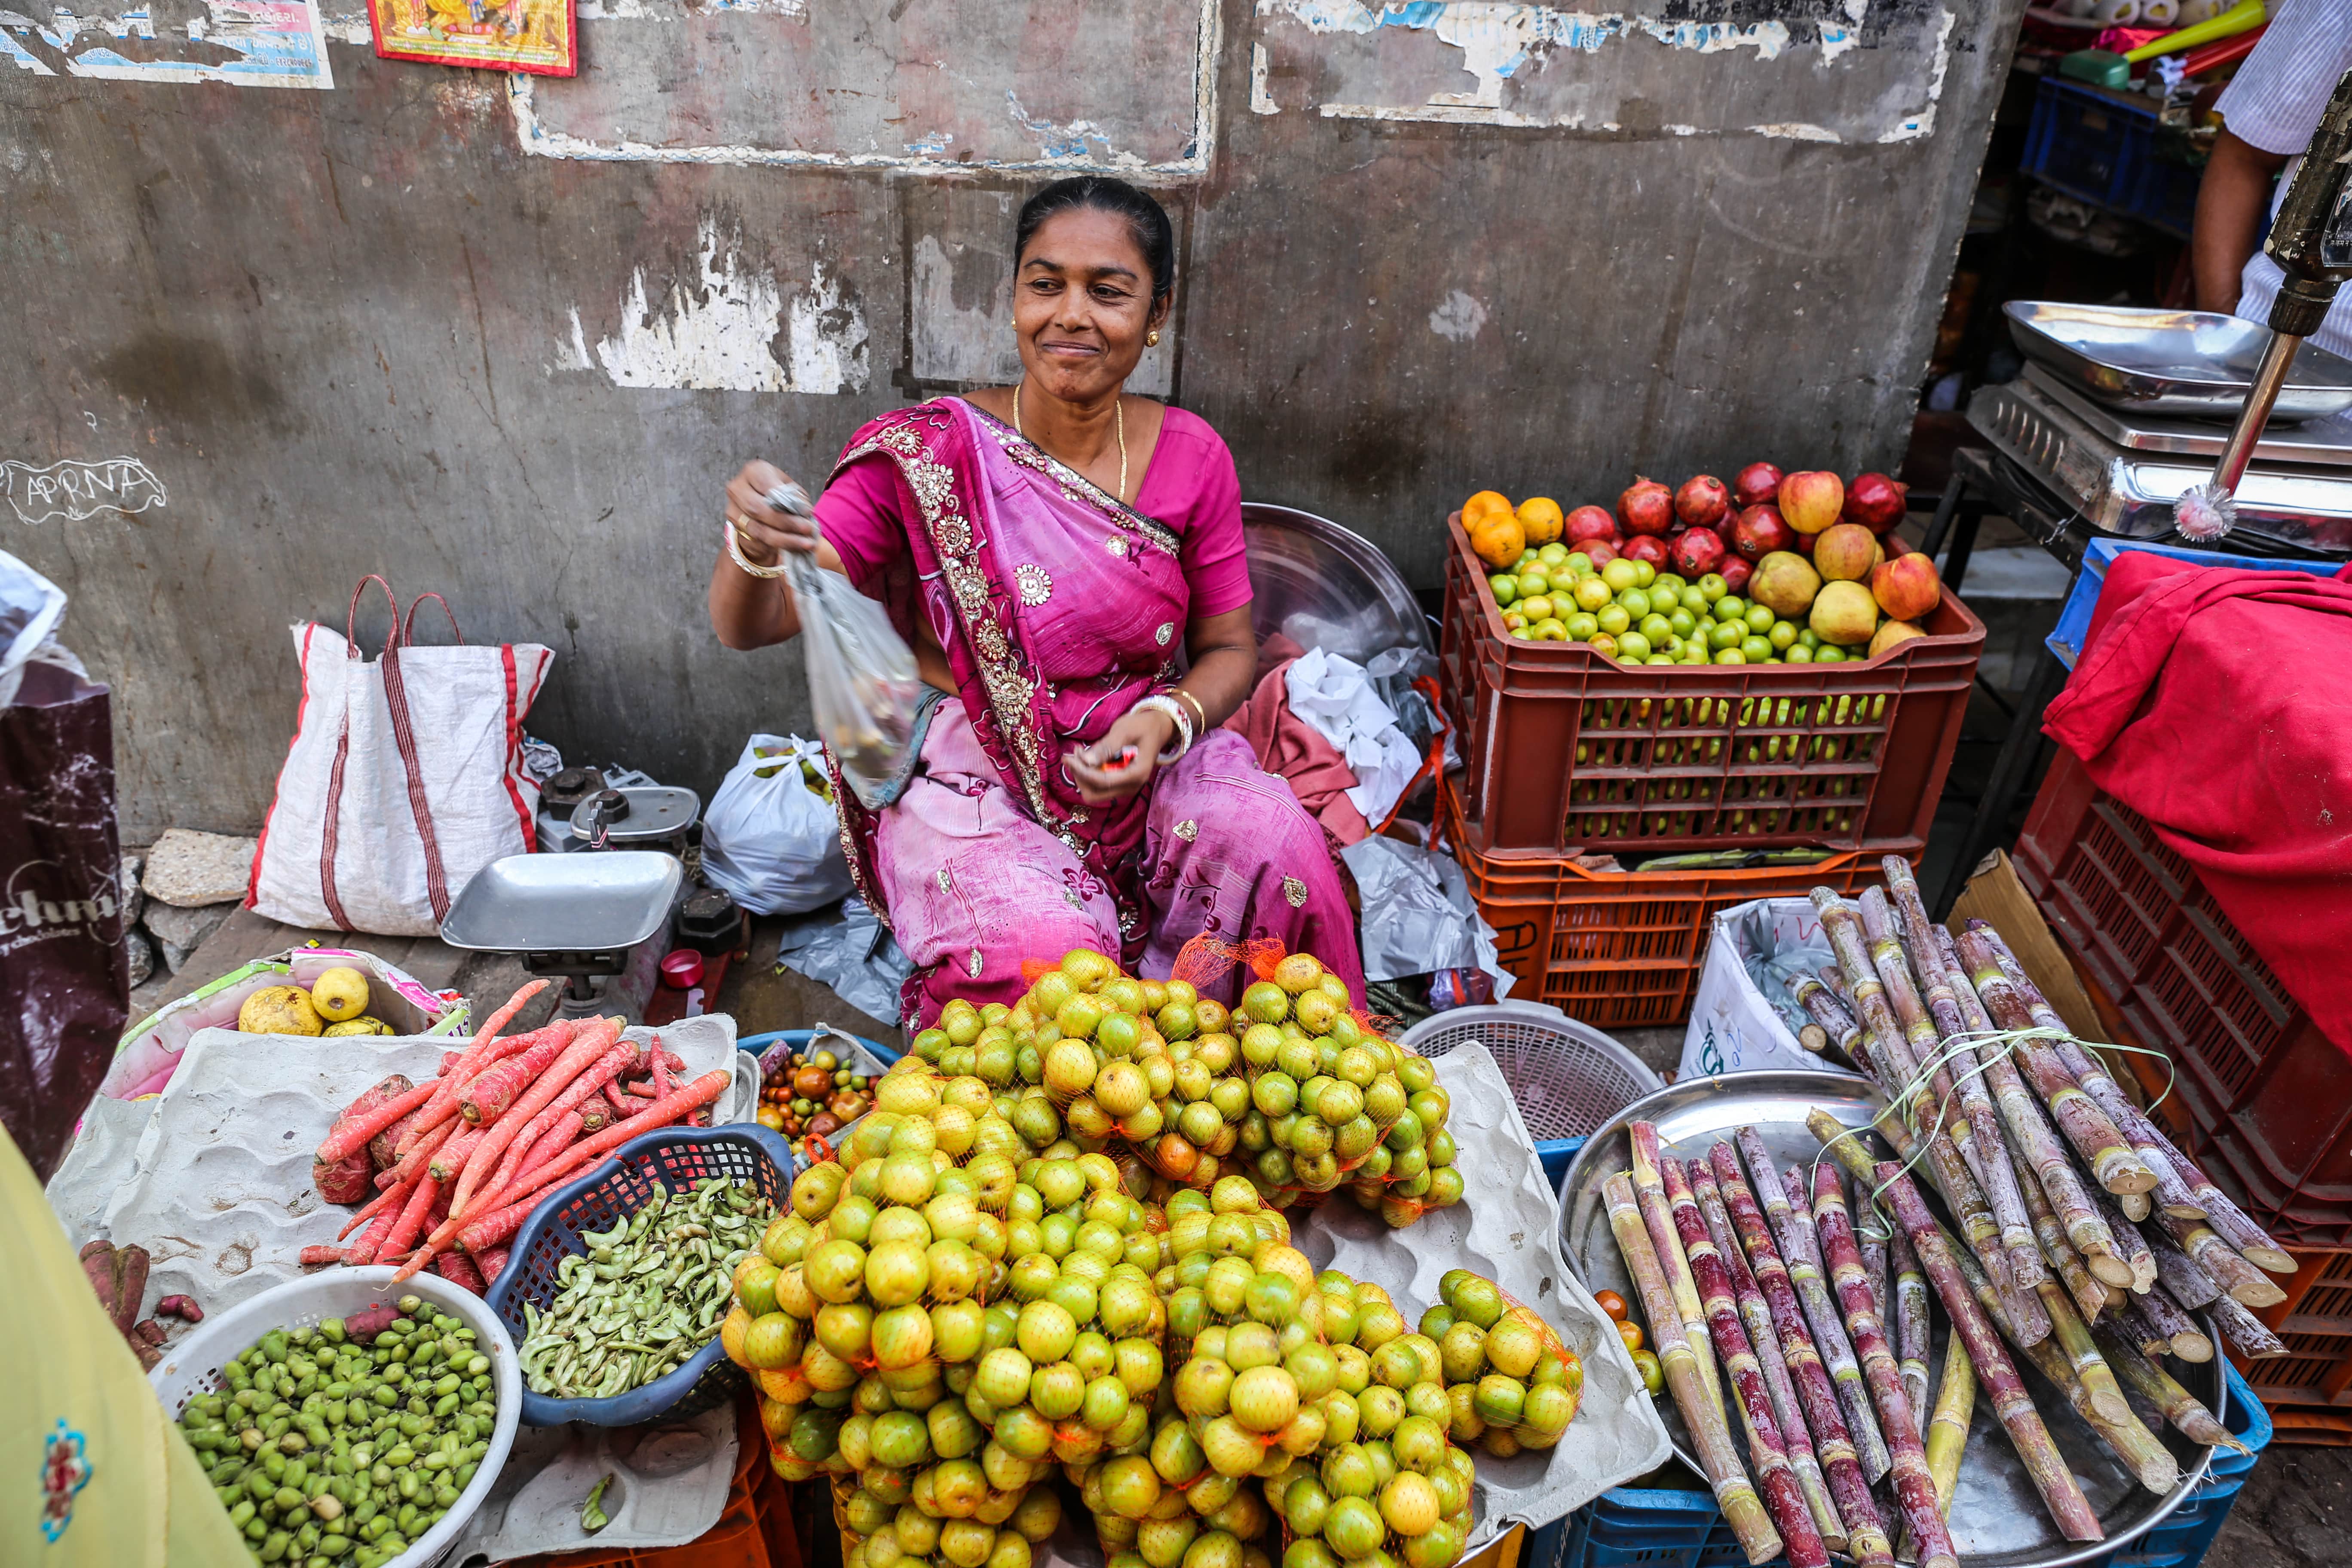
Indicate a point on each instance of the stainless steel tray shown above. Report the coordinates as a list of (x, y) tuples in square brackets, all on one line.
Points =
[(586, 902), (2315, 443), (1997, 1520), (2195, 363), (1326, 586)]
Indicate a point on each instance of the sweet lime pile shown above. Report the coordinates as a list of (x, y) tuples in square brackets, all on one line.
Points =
[(1638, 615)]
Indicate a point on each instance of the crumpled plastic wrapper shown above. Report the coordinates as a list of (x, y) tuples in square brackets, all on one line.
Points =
[(669, 1486), (1506, 1228), (1771, 963), (1418, 914), (852, 952)]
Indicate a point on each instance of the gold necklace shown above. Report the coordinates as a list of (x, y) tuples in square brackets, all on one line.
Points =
[(1118, 423)]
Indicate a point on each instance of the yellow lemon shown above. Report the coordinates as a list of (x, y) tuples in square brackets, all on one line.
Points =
[(340, 994)]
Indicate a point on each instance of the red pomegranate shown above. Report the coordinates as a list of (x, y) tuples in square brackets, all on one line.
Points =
[(1760, 530), (1646, 547), (1599, 552), (1756, 483), (1703, 501), (1734, 571), (1697, 551), (1874, 501), (1647, 507), (1588, 522)]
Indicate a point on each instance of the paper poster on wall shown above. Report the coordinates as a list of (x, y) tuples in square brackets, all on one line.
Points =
[(248, 43), (540, 37)]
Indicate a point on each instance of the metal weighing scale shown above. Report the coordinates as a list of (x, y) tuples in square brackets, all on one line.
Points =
[(597, 918)]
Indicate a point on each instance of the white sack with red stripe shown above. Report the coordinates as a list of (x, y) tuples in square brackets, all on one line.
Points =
[(405, 777)]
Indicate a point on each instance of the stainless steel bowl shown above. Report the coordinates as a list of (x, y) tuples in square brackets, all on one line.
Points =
[(1322, 585), (2194, 363), (1997, 1520)]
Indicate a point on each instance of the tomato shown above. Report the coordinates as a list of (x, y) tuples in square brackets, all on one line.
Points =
[(1631, 1333), (1612, 1303)]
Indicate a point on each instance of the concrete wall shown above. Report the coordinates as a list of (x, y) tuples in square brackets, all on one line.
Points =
[(504, 338)]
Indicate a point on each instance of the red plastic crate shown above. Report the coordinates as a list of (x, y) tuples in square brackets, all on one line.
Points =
[(2263, 1087), (1621, 949), (1570, 751)]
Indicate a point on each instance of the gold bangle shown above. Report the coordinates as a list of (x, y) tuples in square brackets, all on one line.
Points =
[(1197, 706), (734, 535)]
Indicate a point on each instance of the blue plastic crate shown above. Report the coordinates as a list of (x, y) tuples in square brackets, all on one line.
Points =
[(1660, 1529), (2100, 146), (2075, 620)]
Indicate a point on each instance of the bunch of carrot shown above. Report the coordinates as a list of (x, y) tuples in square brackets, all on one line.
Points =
[(474, 1151)]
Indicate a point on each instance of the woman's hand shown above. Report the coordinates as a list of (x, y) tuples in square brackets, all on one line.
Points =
[(1098, 770), (764, 532)]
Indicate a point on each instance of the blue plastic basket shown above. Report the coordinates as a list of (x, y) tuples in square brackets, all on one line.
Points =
[(2075, 620), (2100, 147), (667, 1159), (1658, 1529)]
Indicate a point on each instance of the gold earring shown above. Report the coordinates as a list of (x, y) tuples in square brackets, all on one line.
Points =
[(1152, 339)]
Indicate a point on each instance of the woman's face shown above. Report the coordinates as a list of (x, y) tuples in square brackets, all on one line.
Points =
[(1082, 304)]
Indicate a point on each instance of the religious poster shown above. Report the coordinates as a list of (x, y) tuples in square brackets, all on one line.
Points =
[(540, 36)]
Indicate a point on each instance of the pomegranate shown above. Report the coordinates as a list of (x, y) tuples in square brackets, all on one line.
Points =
[(1599, 552), (1735, 572), (1805, 545), (1756, 484), (1760, 530), (1875, 501), (1698, 552), (1588, 522), (1646, 547), (1647, 507), (1810, 500), (1703, 501)]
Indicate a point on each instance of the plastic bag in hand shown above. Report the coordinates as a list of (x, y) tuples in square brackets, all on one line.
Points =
[(863, 682)]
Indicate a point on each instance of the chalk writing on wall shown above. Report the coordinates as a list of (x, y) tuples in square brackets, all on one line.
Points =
[(248, 43), (75, 491)]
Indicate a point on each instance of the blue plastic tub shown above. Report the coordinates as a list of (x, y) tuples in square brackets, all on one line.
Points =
[(2075, 620), (2100, 147), (1658, 1529), (667, 1158)]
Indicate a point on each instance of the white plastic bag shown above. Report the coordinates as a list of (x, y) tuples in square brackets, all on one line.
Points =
[(863, 681), (405, 777), (1742, 1018), (772, 842)]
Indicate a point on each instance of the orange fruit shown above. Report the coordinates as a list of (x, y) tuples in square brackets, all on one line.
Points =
[(1497, 537), (1478, 506), (1541, 517)]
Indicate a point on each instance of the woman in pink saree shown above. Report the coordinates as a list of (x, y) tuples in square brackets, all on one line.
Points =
[(1045, 548)]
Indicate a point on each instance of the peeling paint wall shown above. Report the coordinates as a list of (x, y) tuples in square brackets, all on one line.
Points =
[(505, 339)]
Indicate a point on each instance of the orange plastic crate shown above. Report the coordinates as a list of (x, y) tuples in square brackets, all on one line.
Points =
[(2308, 1390), (1569, 750), (1621, 949)]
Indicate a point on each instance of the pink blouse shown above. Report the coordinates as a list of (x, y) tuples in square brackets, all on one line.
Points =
[(1190, 488)]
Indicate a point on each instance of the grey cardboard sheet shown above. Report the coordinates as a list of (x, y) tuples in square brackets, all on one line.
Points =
[(1506, 1228)]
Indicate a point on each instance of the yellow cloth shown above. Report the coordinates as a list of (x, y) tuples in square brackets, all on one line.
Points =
[(79, 1408)]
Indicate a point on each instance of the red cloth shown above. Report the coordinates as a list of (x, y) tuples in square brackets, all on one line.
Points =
[(2213, 702), (1289, 745)]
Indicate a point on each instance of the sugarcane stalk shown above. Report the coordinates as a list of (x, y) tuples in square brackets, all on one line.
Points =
[(1787, 1411), (1816, 1390), (2043, 1464), (2131, 1243), (2219, 1260), (1776, 1478), (2250, 1334), (2034, 1141), (1839, 1027), (1995, 1171), (2090, 1296), (1913, 1486), (1912, 1339), (1920, 1045), (2177, 1271), (1800, 1251), (1658, 1216), (2182, 1186), (2130, 1324), (2180, 1330), (2091, 1132), (2187, 1415), (1701, 1413), (2135, 1205), (1947, 1428)]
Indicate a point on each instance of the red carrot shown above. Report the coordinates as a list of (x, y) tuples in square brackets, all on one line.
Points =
[(353, 1132), (316, 1257), (375, 1205), (488, 1097), (601, 1072), (427, 1148), (412, 1220), (661, 1067), (493, 1264), (594, 1040), (369, 1245), (449, 1061), (459, 1270), (450, 1158), (517, 1201), (443, 1101), (645, 1092)]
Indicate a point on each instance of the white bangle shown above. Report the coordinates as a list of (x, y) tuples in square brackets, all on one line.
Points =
[(735, 553), (1176, 714)]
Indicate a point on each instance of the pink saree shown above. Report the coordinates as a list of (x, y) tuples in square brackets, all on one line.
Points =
[(1058, 608)]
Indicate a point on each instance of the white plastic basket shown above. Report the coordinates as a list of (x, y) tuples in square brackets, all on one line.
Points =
[(1569, 1079), (193, 1366)]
